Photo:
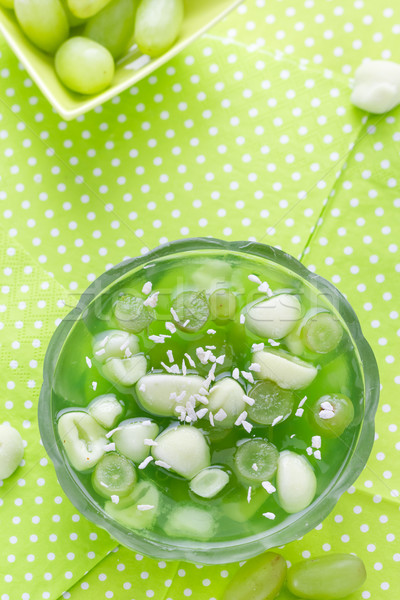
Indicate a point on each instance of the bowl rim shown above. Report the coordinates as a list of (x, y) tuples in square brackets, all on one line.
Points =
[(231, 550)]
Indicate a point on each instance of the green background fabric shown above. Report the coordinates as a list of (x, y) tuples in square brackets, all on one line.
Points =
[(248, 134)]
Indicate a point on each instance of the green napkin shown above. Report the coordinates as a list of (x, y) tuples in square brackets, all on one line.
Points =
[(249, 134)]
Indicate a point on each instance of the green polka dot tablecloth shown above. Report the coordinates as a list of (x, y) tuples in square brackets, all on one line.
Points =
[(248, 134)]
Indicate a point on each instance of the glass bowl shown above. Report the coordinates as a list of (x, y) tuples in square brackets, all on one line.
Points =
[(295, 525)]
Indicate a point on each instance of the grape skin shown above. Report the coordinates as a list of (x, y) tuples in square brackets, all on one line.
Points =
[(44, 22)]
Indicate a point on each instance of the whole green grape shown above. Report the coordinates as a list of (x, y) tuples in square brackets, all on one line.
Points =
[(7, 3), (158, 23), (84, 9), (330, 577), (44, 22), (261, 578), (72, 19), (113, 26), (84, 66)]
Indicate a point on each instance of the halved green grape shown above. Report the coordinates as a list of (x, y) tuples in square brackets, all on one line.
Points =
[(125, 371), (190, 522), (11, 450), (130, 438), (211, 275), (158, 23), (274, 317), (129, 511), (106, 409), (222, 305), (332, 414), (113, 343), (271, 403), (112, 27), (295, 481), (184, 449), (192, 310), (257, 452), (260, 578), (86, 8), (330, 577), (84, 66), (239, 509), (131, 313), (114, 475), (83, 439), (209, 482), (287, 371), (227, 395), (44, 22), (158, 392), (322, 333)]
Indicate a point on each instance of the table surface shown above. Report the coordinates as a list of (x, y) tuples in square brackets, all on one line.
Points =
[(248, 134)]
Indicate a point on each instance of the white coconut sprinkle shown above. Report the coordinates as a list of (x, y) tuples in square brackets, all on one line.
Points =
[(264, 287), (211, 331), (124, 344), (242, 319), (254, 279), (174, 369), (302, 401), (242, 417), (88, 362), (317, 454), (190, 360), (248, 376), (211, 372), (316, 441), (101, 351), (180, 396), (149, 442), (186, 323), (146, 289), (104, 341), (269, 515), (146, 461), (255, 367), (203, 391), (202, 399), (174, 315), (221, 359), (149, 266), (249, 495), (143, 507), (114, 498), (128, 353), (247, 426), (203, 355), (211, 418), (152, 300), (309, 450), (235, 373), (190, 411), (111, 433), (161, 463), (254, 467), (258, 347), (220, 415), (277, 420), (326, 406), (201, 413), (142, 387), (159, 339), (292, 436), (184, 368), (170, 356), (299, 412), (211, 347), (94, 385), (109, 447), (268, 487), (170, 326), (326, 414), (248, 400), (273, 342), (212, 358)]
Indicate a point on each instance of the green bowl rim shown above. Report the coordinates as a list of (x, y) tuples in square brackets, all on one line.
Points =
[(232, 550)]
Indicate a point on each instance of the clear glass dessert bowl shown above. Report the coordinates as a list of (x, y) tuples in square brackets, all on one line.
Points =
[(335, 367)]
